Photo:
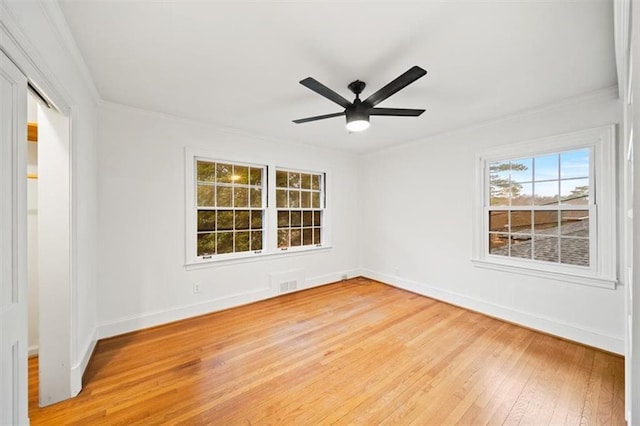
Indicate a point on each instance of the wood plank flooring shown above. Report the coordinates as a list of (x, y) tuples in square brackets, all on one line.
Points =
[(353, 352)]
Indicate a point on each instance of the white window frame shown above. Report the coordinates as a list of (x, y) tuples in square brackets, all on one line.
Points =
[(322, 208), (270, 220), (602, 271)]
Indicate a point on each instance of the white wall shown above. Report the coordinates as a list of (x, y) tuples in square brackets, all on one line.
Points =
[(417, 227), (141, 190)]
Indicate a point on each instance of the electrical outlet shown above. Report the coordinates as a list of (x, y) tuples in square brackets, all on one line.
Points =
[(196, 288)]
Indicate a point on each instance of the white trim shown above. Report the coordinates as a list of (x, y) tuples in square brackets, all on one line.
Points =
[(59, 24), (622, 37), (78, 369), (603, 269), (523, 269), (544, 324), (608, 93)]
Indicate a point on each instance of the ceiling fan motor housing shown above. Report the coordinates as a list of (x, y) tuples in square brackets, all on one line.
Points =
[(357, 87), (357, 111)]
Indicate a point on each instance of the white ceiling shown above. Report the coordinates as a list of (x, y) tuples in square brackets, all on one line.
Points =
[(238, 64)]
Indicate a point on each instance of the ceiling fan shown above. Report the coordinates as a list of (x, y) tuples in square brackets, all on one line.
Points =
[(358, 111)]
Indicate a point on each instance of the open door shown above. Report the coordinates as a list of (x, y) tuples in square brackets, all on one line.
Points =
[(13, 241)]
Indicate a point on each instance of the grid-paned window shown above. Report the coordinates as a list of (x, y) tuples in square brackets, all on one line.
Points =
[(230, 208), (300, 208), (547, 208), (540, 207)]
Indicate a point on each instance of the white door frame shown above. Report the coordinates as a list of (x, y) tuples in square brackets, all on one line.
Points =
[(13, 245)]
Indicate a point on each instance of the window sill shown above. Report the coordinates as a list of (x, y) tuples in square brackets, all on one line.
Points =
[(574, 278), (257, 257)]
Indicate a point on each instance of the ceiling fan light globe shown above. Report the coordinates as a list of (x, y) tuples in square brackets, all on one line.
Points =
[(357, 125)]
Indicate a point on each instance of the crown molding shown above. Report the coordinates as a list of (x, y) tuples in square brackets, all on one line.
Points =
[(59, 25), (608, 93)]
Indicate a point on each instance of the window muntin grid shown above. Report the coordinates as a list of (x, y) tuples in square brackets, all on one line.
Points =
[(300, 208), (230, 208), (540, 207)]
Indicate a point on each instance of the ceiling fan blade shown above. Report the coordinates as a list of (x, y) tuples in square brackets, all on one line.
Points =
[(398, 84), (318, 117), (323, 90), (404, 112)]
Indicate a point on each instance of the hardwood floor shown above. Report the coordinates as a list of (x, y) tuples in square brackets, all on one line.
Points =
[(354, 352)]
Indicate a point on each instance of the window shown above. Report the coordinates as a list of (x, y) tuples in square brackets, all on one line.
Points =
[(548, 208), (539, 207), (299, 201), (230, 208), (239, 210)]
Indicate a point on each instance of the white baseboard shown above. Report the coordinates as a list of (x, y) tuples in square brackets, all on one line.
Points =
[(33, 350), (77, 370), (152, 319), (526, 319)]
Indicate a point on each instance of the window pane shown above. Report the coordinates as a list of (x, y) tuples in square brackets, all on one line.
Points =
[(242, 219), (225, 220), (206, 172), (224, 196), (306, 181), (498, 221), (522, 170), (522, 194), (520, 246), (574, 251), (256, 197), (296, 237), (256, 219), (574, 191), (282, 179), (283, 238), (305, 201), (574, 164), (294, 180), (546, 167), (282, 199), (307, 236), (256, 240), (224, 173), (242, 241), (206, 220), (296, 218), (315, 181), (307, 218), (499, 244), (315, 200), (520, 222), (317, 233), (206, 196), (545, 193), (545, 222), (240, 175), (206, 244), (283, 219), (225, 242), (317, 218), (294, 199), (499, 183), (545, 249), (255, 176), (575, 223), (240, 197)]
